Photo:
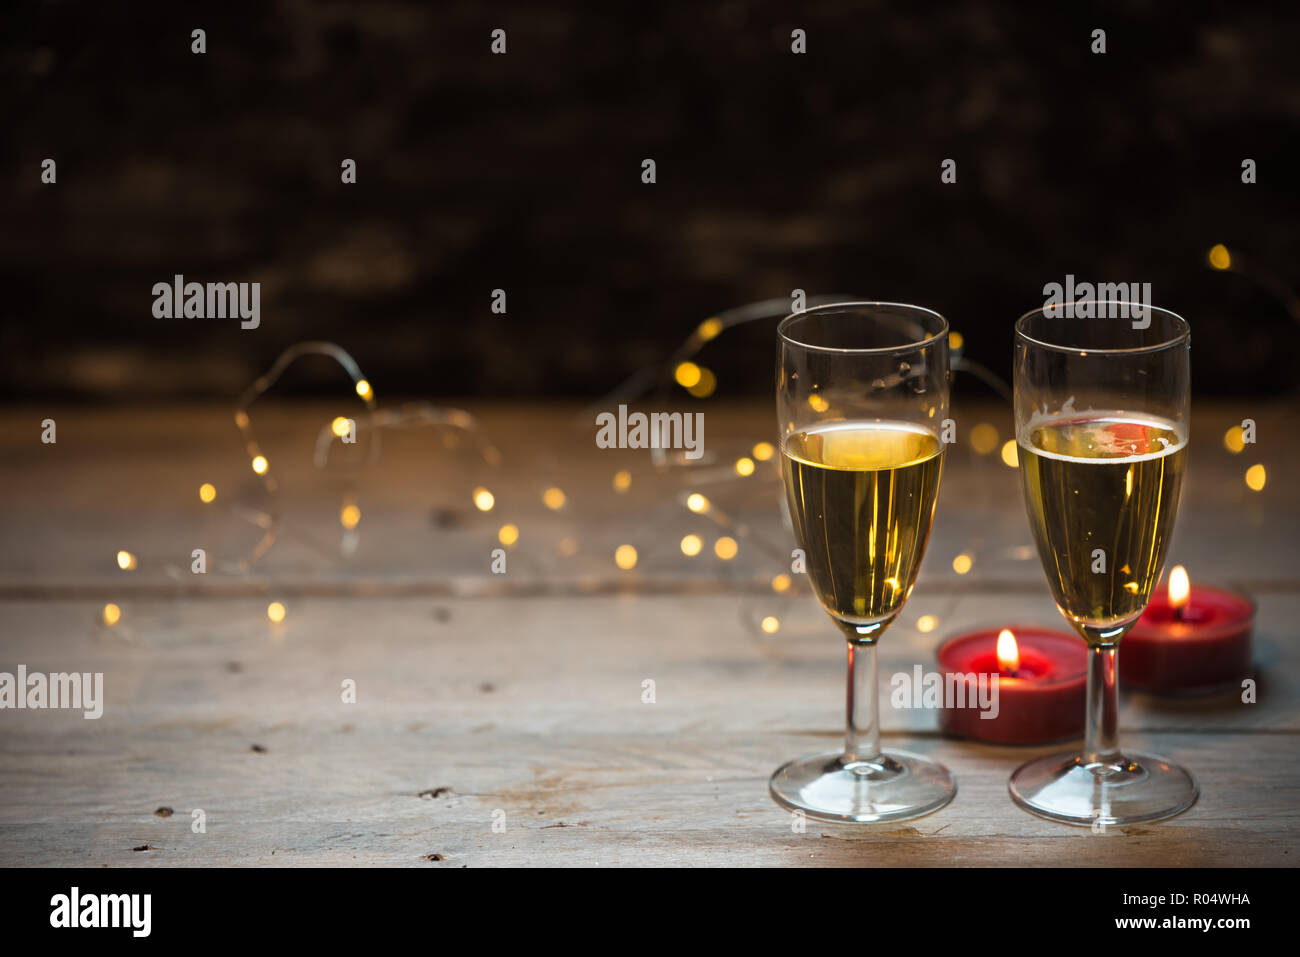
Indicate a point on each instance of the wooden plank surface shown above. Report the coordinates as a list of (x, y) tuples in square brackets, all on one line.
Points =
[(522, 693)]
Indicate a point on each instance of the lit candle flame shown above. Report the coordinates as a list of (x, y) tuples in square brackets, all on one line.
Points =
[(1179, 587), (1008, 653)]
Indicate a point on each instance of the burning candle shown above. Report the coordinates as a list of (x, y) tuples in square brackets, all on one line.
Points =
[(1041, 679), (1189, 640)]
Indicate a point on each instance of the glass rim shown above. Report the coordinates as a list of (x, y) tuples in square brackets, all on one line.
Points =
[(1183, 335), (856, 304)]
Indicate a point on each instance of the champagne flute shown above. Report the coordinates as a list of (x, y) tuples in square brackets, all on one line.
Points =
[(1101, 396), (862, 392)]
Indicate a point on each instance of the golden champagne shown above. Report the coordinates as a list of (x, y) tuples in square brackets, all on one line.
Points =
[(862, 499), (1102, 492)]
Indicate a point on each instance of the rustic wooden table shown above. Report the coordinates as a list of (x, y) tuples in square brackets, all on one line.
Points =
[(517, 699)]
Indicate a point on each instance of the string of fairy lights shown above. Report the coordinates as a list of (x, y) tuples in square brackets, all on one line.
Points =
[(686, 481)]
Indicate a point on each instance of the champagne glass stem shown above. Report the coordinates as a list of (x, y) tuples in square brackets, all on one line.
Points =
[(862, 733), (1101, 738)]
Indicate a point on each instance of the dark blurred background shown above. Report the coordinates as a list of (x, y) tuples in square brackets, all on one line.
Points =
[(523, 172)]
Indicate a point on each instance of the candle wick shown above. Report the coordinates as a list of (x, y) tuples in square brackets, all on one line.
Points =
[(1178, 613)]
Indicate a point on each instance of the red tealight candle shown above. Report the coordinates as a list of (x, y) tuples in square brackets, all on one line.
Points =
[(1042, 682), (1189, 640)]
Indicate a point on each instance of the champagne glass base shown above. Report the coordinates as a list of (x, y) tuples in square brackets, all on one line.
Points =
[(1136, 788), (894, 787)]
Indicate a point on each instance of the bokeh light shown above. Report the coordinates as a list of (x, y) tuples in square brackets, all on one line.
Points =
[(687, 375), (709, 328), (705, 387), (983, 438)]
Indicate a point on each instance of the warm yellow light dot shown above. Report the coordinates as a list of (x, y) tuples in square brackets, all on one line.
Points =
[(508, 535), (622, 481), (207, 492), (691, 545), (1255, 478), (260, 465), (955, 340), (927, 623), (340, 426), (817, 403), (363, 388), (687, 374), (763, 451), (125, 561), (1131, 587), (771, 625), (553, 498), (1219, 257), (275, 612), (350, 516), (1234, 440), (962, 563), (706, 386), (1010, 456), (983, 438), (709, 328), (112, 614), (781, 582), (726, 548), (697, 502), (625, 557), (744, 466), (241, 419), (483, 499)]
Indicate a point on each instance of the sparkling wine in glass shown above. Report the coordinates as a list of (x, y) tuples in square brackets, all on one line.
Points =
[(1101, 396), (862, 391)]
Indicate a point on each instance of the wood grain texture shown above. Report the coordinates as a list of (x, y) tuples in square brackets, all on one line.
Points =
[(525, 695)]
